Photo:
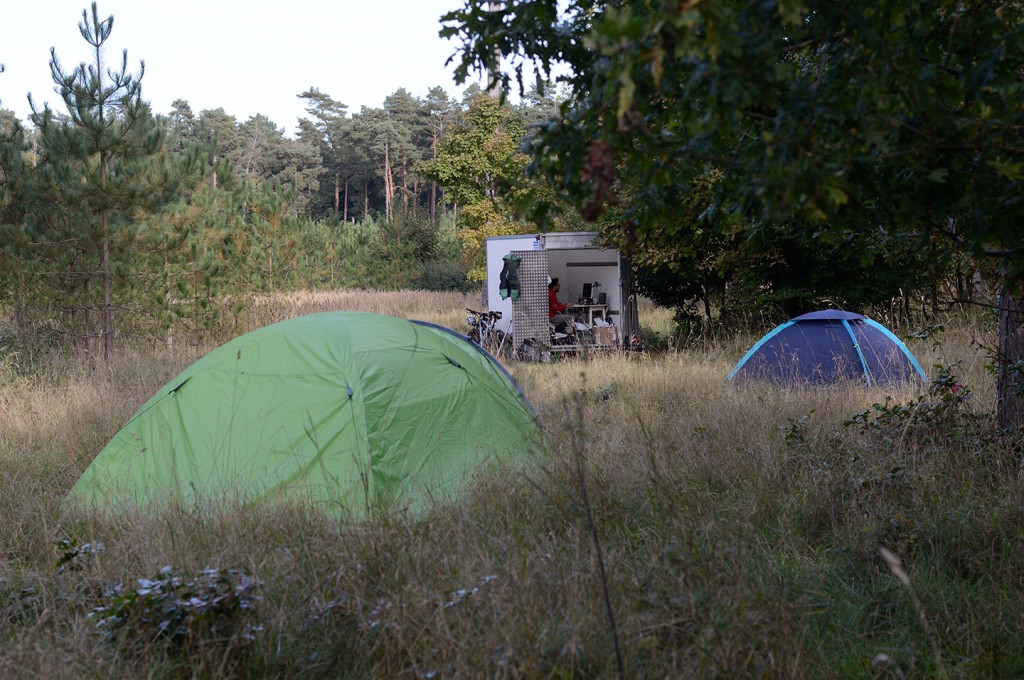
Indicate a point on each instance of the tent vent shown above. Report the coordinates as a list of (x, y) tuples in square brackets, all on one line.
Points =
[(180, 385)]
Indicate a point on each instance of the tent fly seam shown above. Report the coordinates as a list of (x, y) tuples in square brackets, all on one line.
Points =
[(860, 354)]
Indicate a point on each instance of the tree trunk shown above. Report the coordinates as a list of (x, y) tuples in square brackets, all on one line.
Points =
[(1010, 385), (86, 327), (433, 202), (337, 194), (494, 71), (108, 306), (252, 149), (433, 183), (389, 186), (416, 197), (345, 209), (405, 191)]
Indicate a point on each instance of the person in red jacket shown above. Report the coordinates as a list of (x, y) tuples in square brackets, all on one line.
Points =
[(556, 309)]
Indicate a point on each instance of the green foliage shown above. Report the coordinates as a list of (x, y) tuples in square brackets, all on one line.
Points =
[(74, 554), (405, 253), (101, 171), (184, 251), (837, 118), (481, 170), (211, 606), (684, 265), (328, 131), (15, 186), (167, 223), (719, 274), (13, 168), (795, 431), (440, 275), (942, 412)]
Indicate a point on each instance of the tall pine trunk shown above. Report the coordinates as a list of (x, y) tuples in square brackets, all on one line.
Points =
[(108, 306), (86, 327), (344, 217), (433, 202), (405, 191), (433, 183), (389, 185), (416, 197), (494, 71), (337, 194), (270, 266)]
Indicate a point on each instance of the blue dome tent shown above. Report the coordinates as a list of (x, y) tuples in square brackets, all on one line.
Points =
[(829, 346)]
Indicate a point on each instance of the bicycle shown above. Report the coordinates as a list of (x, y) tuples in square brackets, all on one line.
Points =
[(483, 331)]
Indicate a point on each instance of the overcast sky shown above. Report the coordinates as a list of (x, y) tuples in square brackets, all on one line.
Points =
[(245, 56)]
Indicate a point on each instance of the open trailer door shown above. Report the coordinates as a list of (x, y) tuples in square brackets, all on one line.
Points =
[(530, 310), (629, 316)]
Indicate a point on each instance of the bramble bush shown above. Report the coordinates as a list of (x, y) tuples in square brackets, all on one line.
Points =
[(211, 606), (942, 411)]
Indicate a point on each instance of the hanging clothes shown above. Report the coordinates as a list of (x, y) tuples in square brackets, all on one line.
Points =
[(508, 280)]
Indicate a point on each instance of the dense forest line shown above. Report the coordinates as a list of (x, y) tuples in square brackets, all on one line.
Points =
[(121, 221)]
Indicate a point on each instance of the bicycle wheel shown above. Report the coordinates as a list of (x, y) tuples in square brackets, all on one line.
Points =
[(500, 344)]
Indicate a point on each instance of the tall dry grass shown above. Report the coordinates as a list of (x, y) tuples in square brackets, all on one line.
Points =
[(741, 532), (447, 309)]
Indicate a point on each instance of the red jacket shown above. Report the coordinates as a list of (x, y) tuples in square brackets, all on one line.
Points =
[(554, 306)]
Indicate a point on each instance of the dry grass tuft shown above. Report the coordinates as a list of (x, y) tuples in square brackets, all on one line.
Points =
[(447, 309)]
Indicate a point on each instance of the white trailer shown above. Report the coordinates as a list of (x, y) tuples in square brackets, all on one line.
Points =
[(597, 281)]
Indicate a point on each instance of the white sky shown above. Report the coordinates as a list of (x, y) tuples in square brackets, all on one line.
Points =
[(245, 56)]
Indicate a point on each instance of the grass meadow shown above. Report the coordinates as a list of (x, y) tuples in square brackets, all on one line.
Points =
[(678, 527)]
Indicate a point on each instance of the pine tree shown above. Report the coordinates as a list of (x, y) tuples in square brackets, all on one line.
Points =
[(327, 132), (15, 185), (411, 115), (102, 166), (441, 112)]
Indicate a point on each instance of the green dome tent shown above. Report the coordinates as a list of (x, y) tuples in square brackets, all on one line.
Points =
[(355, 412)]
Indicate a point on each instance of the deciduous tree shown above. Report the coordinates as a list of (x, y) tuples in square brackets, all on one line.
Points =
[(482, 171), (900, 117)]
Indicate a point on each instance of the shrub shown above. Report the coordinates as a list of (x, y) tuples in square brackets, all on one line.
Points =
[(443, 275), (181, 610)]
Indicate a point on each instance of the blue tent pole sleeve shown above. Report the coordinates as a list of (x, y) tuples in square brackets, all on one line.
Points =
[(860, 354), (757, 346), (899, 343)]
